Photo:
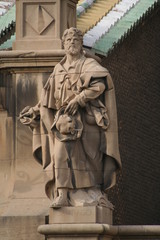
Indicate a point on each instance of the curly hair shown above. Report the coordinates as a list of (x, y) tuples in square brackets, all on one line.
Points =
[(73, 30)]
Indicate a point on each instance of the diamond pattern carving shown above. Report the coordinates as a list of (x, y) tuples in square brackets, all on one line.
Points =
[(39, 19)]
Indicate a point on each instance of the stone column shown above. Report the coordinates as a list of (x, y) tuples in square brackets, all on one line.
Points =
[(40, 24)]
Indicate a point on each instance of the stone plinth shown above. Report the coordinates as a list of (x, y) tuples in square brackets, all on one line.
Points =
[(40, 24), (77, 223), (89, 214)]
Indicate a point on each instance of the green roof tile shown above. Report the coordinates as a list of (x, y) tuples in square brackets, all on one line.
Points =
[(107, 42), (8, 43), (7, 18), (7, 25)]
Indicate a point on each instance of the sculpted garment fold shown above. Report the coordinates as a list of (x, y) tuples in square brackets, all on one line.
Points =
[(81, 162)]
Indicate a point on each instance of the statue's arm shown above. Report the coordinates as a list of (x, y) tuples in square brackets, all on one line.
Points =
[(30, 116), (36, 108), (29, 111), (95, 89)]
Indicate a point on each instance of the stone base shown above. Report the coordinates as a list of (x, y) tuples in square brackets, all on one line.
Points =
[(80, 223), (88, 214)]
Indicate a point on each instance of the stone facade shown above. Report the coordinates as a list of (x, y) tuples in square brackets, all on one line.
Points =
[(22, 195)]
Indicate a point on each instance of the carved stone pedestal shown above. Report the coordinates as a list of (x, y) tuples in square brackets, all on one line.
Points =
[(89, 214), (78, 223), (40, 23)]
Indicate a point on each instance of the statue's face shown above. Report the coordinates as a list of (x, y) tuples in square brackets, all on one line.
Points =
[(72, 44)]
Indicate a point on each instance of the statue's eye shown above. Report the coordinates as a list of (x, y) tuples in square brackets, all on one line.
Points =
[(76, 39)]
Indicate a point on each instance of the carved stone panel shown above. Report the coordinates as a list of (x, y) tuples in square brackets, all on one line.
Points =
[(40, 24), (39, 20)]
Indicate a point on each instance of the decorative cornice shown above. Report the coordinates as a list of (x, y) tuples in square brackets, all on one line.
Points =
[(22, 59)]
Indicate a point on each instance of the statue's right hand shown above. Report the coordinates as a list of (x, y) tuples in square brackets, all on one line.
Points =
[(26, 112), (28, 117)]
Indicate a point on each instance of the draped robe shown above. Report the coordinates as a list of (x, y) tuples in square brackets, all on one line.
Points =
[(79, 163)]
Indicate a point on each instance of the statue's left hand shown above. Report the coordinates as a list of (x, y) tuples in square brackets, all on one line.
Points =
[(72, 107)]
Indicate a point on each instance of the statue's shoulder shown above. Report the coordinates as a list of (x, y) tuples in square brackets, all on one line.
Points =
[(92, 64), (57, 67), (90, 60), (54, 72)]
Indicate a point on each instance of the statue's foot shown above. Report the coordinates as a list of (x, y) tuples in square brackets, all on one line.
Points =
[(59, 202)]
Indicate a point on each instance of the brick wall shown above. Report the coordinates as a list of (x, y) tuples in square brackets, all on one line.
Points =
[(135, 68)]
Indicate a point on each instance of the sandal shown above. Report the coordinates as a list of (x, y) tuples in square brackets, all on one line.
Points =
[(59, 202)]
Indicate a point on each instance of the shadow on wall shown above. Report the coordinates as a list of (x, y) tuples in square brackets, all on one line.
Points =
[(26, 90)]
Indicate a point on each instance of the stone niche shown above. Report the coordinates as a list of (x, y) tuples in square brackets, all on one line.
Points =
[(40, 24)]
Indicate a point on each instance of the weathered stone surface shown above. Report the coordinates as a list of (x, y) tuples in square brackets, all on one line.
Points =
[(20, 228), (27, 207), (22, 191), (75, 237), (6, 158), (6, 136), (102, 231), (90, 214), (74, 231)]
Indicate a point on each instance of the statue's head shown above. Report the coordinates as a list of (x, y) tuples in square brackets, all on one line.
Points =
[(72, 41)]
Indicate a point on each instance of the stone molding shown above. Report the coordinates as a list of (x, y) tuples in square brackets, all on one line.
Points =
[(43, 58), (105, 230), (21, 59)]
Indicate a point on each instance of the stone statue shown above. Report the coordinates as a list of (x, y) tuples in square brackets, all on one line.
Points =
[(75, 128)]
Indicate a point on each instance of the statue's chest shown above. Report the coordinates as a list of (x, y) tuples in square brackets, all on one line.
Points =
[(67, 84)]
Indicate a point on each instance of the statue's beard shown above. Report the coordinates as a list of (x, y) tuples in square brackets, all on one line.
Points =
[(73, 50)]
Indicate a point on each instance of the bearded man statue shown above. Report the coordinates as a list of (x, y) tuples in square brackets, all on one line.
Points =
[(75, 128)]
